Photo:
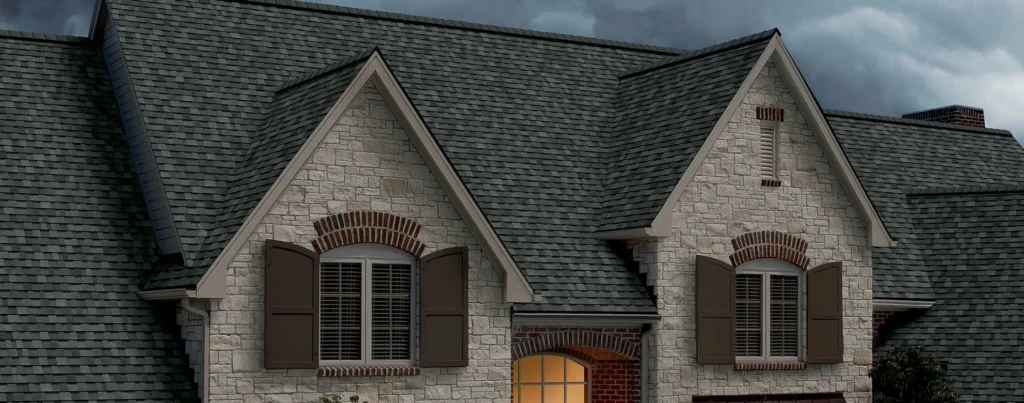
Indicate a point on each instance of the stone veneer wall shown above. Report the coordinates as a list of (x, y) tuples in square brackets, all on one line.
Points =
[(366, 163), (726, 199)]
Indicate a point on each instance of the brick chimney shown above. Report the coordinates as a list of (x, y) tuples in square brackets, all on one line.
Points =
[(955, 114)]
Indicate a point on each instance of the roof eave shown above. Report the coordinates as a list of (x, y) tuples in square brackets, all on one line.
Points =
[(166, 294)]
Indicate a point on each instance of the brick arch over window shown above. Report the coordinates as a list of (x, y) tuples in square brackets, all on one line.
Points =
[(367, 227), (769, 244), (593, 344)]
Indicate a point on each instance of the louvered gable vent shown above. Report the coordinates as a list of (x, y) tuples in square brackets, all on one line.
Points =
[(768, 152)]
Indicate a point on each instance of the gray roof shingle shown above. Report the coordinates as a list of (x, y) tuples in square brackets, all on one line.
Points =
[(895, 156), (522, 116), (74, 242), (972, 237)]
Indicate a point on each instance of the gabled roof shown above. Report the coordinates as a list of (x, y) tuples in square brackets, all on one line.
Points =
[(521, 116), (970, 238), (74, 241), (894, 156), (663, 115)]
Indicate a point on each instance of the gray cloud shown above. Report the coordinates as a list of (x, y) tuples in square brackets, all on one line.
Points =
[(873, 56)]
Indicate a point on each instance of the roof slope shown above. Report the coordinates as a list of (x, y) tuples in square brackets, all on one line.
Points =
[(289, 119), (663, 115), (75, 242), (974, 242), (521, 117), (893, 156)]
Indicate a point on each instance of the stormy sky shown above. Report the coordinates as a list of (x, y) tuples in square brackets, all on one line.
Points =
[(872, 56)]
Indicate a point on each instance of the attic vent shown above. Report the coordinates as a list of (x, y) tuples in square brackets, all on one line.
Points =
[(769, 172)]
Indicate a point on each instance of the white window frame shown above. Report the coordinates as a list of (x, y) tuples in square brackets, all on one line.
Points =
[(588, 375), (366, 255), (766, 268)]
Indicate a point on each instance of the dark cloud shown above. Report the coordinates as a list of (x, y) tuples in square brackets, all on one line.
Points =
[(874, 56)]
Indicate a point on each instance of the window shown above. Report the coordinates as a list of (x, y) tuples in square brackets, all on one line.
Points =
[(366, 305), (768, 151), (768, 310), (549, 378)]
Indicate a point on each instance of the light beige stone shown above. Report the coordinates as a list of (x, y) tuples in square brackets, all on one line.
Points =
[(862, 357)]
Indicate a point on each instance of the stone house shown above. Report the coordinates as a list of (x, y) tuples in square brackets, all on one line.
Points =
[(275, 201)]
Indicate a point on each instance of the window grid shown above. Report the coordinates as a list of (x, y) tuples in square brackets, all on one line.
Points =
[(518, 382), (366, 312), (779, 297)]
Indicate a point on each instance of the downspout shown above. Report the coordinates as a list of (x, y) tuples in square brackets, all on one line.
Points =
[(187, 306), (644, 366)]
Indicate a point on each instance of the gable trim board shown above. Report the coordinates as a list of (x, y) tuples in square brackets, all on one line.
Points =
[(776, 52), (376, 72)]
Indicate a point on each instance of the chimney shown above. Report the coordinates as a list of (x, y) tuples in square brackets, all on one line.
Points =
[(955, 114)]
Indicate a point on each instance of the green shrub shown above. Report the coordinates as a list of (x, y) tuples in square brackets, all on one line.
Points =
[(911, 375)]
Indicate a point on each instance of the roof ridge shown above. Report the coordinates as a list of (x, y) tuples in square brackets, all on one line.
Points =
[(915, 122), (972, 189), (469, 26), (345, 62), (38, 36), (719, 47)]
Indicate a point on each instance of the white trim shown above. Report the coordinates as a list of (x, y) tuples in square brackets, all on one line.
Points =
[(767, 268), (900, 304), (777, 53), (167, 294), (374, 71)]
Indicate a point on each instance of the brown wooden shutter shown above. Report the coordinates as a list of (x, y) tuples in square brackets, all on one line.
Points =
[(716, 311), (291, 307), (444, 308), (825, 314)]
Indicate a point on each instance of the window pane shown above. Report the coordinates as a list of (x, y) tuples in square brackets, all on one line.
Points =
[(530, 369), (341, 312), (554, 368), (529, 394), (784, 319), (576, 372), (391, 292), (576, 394), (748, 315), (554, 393)]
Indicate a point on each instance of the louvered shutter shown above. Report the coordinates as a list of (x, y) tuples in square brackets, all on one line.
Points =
[(783, 321), (825, 314), (768, 151), (291, 306), (748, 315), (341, 311), (391, 311), (444, 308), (716, 311)]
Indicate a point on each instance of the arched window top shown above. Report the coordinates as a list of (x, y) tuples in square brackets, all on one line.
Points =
[(769, 264), (374, 251)]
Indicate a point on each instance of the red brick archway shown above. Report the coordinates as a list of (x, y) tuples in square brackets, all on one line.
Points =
[(769, 244), (367, 227), (591, 343)]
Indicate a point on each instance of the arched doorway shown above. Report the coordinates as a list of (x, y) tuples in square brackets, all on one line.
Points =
[(550, 378)]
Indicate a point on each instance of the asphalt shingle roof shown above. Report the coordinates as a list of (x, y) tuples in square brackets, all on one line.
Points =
[(523, 116), (75, 241), (894, 156), (974, 242)]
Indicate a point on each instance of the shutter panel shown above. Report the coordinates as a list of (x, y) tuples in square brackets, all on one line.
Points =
[(291, 306), (825, 314), (444, 308), (716, 310)]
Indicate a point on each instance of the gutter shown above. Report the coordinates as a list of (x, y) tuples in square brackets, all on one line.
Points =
[(900, 304), (583, 319), (187, 306)]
